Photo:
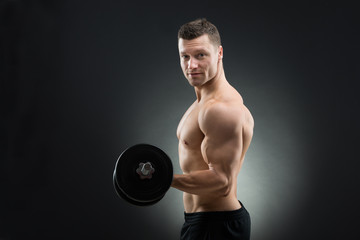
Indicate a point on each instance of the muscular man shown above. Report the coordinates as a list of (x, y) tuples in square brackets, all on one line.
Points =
[(214, 135)]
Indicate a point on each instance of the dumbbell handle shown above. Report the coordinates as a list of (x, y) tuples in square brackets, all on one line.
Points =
[(145, 170)]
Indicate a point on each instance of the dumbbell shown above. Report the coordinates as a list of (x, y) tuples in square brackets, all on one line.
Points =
[(143, 174)]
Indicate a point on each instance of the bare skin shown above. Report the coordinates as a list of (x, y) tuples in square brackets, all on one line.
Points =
[(214, 133)]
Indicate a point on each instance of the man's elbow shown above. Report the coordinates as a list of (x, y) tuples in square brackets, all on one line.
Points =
[(224, 190)]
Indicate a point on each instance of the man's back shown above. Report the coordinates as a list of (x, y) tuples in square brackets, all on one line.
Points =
[(215, 134)]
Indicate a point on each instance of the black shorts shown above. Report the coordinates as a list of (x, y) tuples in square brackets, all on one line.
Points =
[(217, 225)]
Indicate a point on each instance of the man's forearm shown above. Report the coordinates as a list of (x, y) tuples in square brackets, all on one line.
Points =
[(201, 182)]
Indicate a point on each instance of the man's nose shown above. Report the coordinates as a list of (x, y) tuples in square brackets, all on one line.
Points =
[(193, 63)]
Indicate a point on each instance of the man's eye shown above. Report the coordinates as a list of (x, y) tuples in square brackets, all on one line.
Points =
[(185, 56), (201, 55)]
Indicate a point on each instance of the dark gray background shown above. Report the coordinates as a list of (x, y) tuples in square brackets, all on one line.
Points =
[(83, 80)]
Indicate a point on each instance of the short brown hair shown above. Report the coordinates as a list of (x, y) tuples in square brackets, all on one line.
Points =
[(198, 28)]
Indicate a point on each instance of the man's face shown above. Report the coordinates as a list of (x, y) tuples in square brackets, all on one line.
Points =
[(199, 59)]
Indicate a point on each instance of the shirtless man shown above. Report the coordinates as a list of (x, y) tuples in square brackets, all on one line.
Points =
[(214, 135)]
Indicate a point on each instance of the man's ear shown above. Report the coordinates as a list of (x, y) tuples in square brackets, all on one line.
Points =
[(220, 52)]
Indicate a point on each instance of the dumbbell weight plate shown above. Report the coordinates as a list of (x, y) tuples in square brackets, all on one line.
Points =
[(131, 187)]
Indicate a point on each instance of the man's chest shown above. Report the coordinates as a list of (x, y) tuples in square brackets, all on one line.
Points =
[(188, 131)]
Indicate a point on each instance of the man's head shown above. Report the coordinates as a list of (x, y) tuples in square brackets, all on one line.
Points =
[(200, 51), (197, 28)]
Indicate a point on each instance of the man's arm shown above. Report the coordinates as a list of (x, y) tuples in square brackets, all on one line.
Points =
[(221, 149)]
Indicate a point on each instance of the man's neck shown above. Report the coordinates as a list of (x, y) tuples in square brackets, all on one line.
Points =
[(207, 90)]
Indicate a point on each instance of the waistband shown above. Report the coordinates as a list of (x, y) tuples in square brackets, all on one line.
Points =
[(215, 216)]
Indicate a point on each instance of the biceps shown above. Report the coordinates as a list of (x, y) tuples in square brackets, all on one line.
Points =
[(221, 154)]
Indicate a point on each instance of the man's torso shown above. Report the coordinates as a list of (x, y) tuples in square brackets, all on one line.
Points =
[(190, 156)]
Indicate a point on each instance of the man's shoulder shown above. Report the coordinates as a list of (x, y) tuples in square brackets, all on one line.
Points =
[(231, 112), (227, 108), (219, 115)]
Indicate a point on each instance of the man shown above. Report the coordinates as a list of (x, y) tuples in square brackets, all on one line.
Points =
[(214, 135)]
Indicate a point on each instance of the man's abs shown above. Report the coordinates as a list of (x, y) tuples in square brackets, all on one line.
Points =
[(207, 203), (192, 161)]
